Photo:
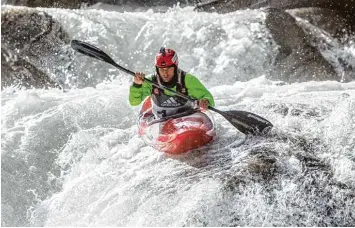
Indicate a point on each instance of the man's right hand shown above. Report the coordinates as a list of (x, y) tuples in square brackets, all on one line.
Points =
[(139, 78)]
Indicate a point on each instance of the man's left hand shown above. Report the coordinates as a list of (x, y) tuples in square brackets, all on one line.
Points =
[(203, 104)]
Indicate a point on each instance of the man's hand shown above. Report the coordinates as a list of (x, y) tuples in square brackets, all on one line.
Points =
[(139, 78), (203, 104)]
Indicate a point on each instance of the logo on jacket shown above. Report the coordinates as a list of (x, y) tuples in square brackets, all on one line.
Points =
[(171, 102)]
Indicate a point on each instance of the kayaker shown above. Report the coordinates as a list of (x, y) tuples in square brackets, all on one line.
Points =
[(165, 103)]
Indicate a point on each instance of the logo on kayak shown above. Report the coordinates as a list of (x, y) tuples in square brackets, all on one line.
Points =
[(171, 102)]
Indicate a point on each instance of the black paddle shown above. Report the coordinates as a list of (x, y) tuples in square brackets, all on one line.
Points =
[(246, 122)]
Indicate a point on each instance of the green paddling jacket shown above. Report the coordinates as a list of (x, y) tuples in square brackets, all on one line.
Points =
[(195, 89)]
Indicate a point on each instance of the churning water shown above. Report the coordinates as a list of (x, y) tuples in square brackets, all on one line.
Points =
[(74, 158)]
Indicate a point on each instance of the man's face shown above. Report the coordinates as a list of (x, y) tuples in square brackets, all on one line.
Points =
[(166, 73)]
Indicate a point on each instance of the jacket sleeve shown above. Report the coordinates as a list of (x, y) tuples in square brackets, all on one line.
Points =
[(137, 93), (196, 90)]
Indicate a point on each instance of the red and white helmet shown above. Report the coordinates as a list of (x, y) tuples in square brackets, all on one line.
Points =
[(166, 58)]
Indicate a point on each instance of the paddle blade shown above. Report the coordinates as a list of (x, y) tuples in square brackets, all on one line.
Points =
[(92, 51), (247, 122)]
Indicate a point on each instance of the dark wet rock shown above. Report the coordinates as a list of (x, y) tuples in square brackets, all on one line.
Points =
[(75, 4), (329, 20), (226, 6), (329, 32), (30, 39), (30, 31), (297, 60), (300, 58), (347, 7), (72, 4), (20, 72), (141, 3)]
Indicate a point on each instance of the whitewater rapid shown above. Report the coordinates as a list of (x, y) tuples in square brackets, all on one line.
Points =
[(73, 157)]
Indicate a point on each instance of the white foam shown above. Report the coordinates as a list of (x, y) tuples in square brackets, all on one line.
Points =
[(80, 151)]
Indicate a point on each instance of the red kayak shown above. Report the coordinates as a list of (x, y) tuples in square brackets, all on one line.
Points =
[(177, 134)]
